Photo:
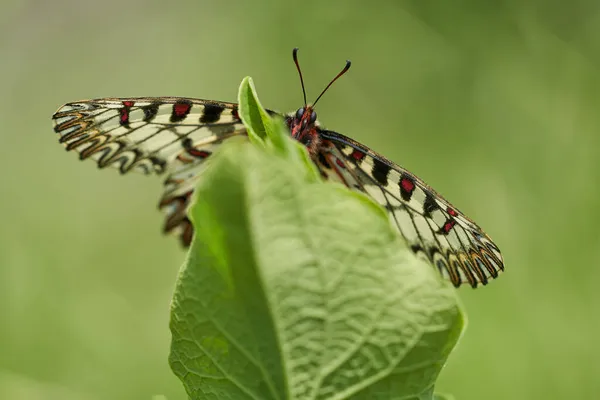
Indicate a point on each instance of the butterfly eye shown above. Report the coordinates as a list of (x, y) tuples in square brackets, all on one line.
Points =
[(313, 117), (300, 113)]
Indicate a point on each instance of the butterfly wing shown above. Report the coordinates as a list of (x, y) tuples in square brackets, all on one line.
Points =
[(460, 249), (176, 136), (151, 135)]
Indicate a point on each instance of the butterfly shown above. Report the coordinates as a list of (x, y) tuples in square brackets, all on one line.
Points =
[(174, 136)]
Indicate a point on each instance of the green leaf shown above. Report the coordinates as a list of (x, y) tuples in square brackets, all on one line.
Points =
[(252, 114), (298, 289)]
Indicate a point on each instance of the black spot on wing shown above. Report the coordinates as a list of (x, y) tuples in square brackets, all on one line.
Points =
[(323, 160), (159, 165), (381, 171), (150, 111), (211, 113), (430, 205)]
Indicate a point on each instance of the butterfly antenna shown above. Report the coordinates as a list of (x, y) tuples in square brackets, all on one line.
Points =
[(295, 55), (342, 72)]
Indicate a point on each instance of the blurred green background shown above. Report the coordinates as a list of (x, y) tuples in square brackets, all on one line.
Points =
[(495, 104)]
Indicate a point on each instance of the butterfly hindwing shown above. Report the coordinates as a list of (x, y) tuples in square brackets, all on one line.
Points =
[(162, 135), (461, 251)]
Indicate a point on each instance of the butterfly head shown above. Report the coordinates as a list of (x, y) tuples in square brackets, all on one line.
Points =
[(302, 125), (303, 122)]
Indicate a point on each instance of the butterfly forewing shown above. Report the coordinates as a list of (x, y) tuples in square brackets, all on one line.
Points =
[(151, 135), (431, 225)]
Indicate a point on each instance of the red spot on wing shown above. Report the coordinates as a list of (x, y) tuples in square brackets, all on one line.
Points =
[(128, 103), (340, 163), (235, 115), (407, 185), (357, 155), (448, 225), (198, 153), (181, 109), (192, 151), (124, 116), (452, 212)]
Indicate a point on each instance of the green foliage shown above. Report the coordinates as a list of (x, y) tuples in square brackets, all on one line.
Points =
[(298, 289)]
